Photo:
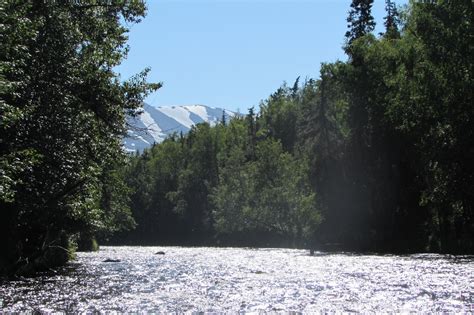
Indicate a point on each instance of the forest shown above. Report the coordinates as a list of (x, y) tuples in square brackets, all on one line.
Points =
[(374, 155)]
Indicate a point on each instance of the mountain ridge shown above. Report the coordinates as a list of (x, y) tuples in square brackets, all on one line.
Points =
[(155, 124)]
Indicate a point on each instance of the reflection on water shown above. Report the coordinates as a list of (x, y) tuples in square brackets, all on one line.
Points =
[(246, 280)]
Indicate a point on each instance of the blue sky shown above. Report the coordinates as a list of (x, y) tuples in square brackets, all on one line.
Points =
[(234, 53)]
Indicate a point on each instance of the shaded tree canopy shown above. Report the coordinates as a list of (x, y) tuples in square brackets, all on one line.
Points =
[(63, 112)]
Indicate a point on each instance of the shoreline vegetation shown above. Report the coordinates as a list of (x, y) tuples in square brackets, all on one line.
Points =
[(375, 155), (63, 111)]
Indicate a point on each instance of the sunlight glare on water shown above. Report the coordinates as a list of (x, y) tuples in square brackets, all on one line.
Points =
[(246, 280)]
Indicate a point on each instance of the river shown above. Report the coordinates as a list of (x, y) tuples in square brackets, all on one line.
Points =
[(245, 280)]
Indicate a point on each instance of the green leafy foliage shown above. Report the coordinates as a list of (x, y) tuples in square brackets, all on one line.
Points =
[(224, 184), (63, 112)]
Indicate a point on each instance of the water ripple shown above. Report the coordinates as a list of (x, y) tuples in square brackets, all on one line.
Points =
[(246, 280)]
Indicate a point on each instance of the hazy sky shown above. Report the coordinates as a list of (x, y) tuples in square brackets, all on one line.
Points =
[(234, 53)]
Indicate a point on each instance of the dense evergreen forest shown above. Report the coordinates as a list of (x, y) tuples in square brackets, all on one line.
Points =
[(374, 155)]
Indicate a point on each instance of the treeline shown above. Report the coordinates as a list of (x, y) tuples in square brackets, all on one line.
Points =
[(62, 114), (233, 179), (375, 155)]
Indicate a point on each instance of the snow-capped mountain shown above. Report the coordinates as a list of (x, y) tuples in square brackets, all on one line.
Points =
[(156, 123)]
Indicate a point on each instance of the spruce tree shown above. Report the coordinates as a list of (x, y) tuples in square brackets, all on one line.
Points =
[(360, 20), (391, 20), (223, 119)]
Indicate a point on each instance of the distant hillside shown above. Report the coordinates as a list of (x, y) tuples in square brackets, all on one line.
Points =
[(157, 123)]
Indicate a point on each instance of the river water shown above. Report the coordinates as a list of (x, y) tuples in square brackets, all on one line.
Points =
[(245, 280)]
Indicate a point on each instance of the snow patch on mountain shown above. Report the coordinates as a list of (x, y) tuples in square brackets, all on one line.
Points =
[(199, 110), (153, 129), (180, 114), (154, 124)]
